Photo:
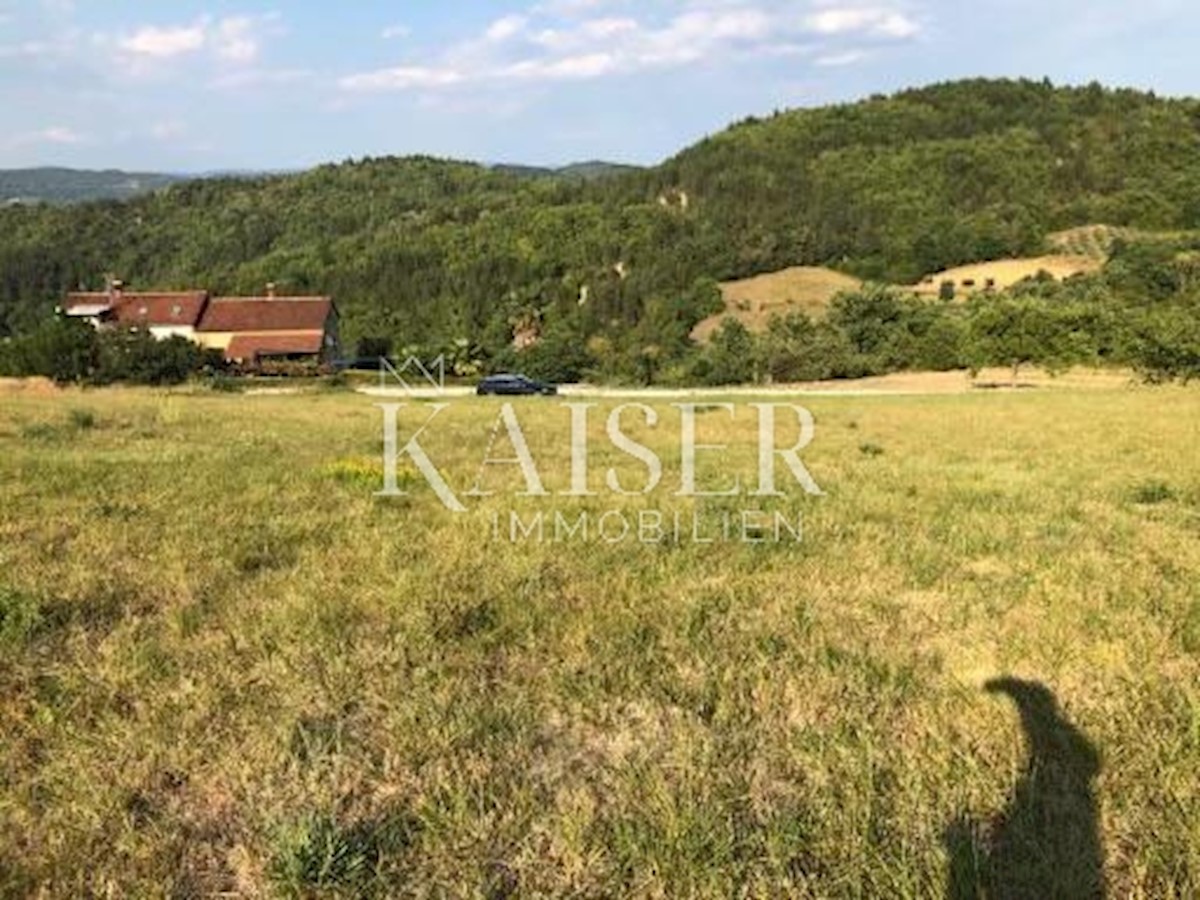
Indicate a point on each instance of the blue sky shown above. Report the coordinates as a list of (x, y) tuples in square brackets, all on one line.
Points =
[(197, 85)]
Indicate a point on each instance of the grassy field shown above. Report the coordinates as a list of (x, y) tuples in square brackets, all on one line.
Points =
[(226, 668)]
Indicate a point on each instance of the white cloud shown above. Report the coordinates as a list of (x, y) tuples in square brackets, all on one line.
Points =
[(402, 78), (55, 134), (229, 41), (392, 32), (879, 21), (832, 60), (580, 39), (591, 65), (60, 135), (235, 39), (163, 43), (505, 29)]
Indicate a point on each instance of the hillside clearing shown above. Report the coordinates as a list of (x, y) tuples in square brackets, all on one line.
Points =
[(753, 301), (1004, 273)]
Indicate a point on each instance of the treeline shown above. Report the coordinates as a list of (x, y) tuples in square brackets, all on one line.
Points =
[(1141, 312), (428, 253)]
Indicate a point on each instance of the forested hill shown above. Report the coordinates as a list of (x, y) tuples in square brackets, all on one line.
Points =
[(897, 187), (424, 251), (56, 185)]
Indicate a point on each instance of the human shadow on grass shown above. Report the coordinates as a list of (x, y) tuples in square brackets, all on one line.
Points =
[(1046, 842)]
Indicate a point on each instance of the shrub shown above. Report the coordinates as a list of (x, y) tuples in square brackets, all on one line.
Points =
[(138, 357), (62, 349), (71, 351)]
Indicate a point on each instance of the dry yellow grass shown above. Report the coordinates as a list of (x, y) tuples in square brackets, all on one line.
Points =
[(753, 301), (227, 669), (1004, 273), (962, 382)]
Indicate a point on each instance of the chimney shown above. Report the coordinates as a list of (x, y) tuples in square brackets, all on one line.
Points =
[(270, 290)]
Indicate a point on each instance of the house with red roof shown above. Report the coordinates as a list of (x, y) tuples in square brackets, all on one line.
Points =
[(164, 314), (249, 331), (252, 330)]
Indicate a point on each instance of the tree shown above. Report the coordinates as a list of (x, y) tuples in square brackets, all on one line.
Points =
[(1168, 344), (1018, 331), (730, 358)]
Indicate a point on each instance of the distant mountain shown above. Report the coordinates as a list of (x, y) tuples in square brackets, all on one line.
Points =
[(57, 185), (62, 186)]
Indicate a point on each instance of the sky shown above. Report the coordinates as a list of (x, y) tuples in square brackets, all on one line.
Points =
[(216, 85)]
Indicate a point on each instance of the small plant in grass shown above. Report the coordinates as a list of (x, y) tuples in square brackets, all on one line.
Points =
[(81, 419), (363, 473), (1152, 493), (20, 616), (871, 451), (41, 431), (266, 552), (319, 855)]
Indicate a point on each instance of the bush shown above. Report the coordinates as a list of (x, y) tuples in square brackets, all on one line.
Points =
[(72, 352), (137, 357), (62, 349)]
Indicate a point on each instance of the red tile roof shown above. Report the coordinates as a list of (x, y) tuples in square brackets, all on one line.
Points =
[(252, 314), (247, 348), (181, 310)]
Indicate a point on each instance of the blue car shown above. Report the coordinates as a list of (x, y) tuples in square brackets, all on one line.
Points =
[(514, 385)]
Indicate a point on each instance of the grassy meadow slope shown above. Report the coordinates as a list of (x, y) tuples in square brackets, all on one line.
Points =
[(753, 301), (226, 667)]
